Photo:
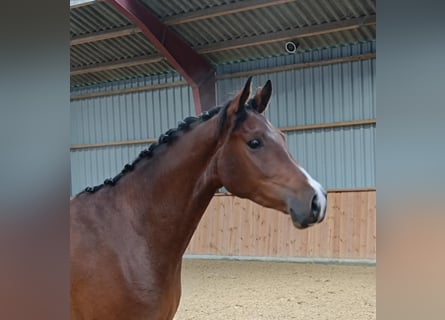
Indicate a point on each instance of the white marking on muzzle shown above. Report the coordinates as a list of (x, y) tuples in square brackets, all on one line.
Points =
[(319, 191)]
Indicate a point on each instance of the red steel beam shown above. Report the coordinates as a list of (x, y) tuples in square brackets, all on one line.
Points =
[(194, 68)]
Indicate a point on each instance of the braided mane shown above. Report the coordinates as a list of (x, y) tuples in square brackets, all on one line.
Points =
[(164, 139)]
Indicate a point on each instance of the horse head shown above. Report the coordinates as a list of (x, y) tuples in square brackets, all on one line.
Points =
[(254, 162)]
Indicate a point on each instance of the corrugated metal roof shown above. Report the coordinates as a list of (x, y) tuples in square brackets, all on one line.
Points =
[(268, 20), (95, 17), (220, 30), (120, 73), (111, 50)]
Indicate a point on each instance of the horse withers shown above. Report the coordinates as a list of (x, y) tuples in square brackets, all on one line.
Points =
[(129, 234)]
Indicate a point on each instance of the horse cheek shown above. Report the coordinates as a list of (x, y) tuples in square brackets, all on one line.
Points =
[(231, 174)]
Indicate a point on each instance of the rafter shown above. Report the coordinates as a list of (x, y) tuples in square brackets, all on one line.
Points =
[(196, 70), (253, 41), (288, 35), (117, 64), (229, 9), (104, 35), (180, 18), (222, 10)]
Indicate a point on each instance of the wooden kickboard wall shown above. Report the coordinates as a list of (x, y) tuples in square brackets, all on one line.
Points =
[(238, 227)]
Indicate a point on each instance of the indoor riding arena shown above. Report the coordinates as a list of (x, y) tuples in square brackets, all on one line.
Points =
[(139, 67)]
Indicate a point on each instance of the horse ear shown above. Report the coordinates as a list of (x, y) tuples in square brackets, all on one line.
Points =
[(240, 99), (262, 97)]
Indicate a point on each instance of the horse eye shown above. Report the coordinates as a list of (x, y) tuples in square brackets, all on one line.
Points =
[(255, 143)]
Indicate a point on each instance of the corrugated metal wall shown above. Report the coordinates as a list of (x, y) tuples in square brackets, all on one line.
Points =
[(122, 117), (337, 157), (132, 116)]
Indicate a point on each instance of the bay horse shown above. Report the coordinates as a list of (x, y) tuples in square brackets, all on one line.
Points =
[(129, 234)]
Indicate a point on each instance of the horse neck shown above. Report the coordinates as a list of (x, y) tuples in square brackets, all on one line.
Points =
[(171, 191)]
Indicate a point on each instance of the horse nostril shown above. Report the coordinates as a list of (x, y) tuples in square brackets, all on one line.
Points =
[(315, 206)]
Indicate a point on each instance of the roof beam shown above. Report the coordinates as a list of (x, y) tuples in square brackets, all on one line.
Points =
[(181, 18), (104, 35), (222, 10), (194, 68), (241, 74), (200, 15), (238, 43), (116, 64), (288, 34)]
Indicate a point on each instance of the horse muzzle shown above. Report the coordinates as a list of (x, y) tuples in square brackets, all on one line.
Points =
[(307, 213)]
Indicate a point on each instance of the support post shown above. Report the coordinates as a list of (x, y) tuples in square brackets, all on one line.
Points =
[(196, 70)]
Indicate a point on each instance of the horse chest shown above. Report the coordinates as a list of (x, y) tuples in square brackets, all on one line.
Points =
[(154, 286)]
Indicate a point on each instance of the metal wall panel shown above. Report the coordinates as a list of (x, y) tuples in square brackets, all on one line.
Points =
[(333, 93), (134, 116), (90, 167), (284, 60), (139, 115), (338, 158)]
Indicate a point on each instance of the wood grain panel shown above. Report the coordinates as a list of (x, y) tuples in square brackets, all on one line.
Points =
[(238, 227)]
